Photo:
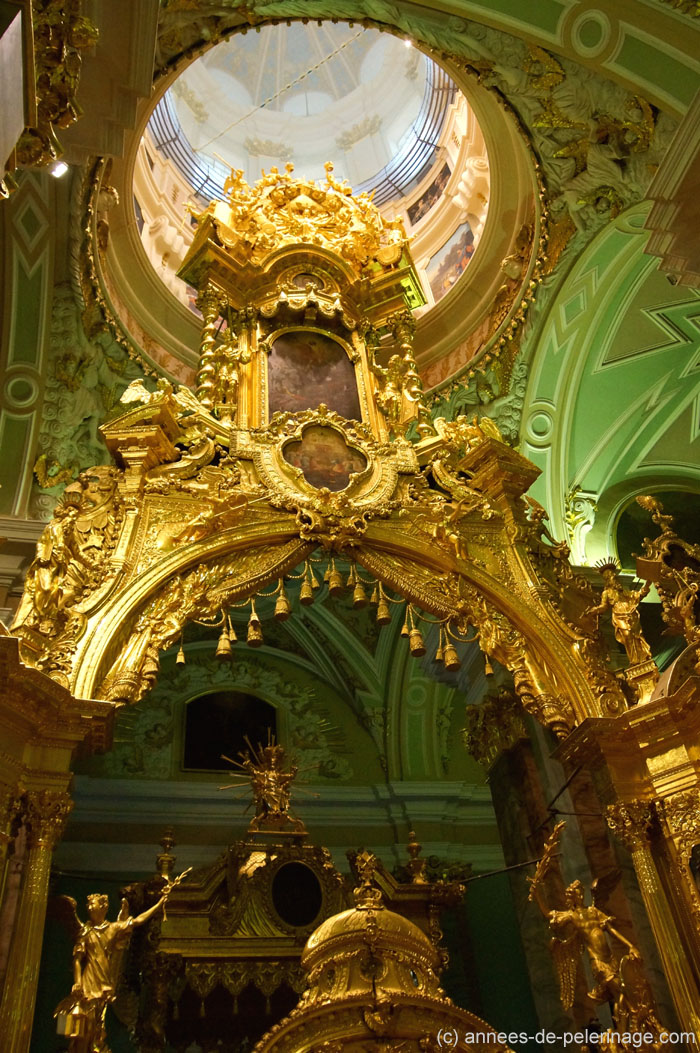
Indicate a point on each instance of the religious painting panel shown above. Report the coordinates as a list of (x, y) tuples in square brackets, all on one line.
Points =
[(430, 197), (448, 264), (325, 458), (307, 369)]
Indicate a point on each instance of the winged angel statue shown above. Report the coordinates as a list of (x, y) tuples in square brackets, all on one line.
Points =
[(580, 931), (98, 951)]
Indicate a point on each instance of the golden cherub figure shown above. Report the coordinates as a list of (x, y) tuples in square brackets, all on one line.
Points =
[(622, 604)]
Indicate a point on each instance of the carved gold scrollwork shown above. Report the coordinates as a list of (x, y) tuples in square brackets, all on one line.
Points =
[(46, 814), (630, 821), (682, 814)]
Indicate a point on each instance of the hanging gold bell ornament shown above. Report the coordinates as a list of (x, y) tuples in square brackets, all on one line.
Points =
[(255, 636), (359, 596), (223, 649), (451, 657), (416, 643), (283, 607)]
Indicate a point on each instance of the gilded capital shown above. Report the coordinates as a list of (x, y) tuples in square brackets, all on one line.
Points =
[(630, 822), (46, 813)]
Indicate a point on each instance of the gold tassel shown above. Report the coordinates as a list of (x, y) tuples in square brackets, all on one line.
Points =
[(374, 598), (335, 582), (440, 653), (488, 668), (416, 643), (283, 607), (255, 636), (180, 656), (223, 650), (384, 613), (405, 628), (452, 661), (306, 594)]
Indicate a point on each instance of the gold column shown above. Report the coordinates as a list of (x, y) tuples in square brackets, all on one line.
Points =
[(209, 303), (46, 815), (633, 822)]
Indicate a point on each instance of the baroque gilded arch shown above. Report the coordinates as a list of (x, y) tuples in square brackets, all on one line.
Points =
[(306, 291), (512, 607)]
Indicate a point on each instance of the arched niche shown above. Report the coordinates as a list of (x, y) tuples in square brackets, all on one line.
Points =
[(224, 719)]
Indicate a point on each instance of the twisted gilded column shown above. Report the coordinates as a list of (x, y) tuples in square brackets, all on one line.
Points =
[(209, 303), (45, 817)]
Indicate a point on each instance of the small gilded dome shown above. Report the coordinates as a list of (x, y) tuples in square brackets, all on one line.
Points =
[(374, 925)]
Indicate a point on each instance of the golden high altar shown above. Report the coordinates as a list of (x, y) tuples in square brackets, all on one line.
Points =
[(307, 443)]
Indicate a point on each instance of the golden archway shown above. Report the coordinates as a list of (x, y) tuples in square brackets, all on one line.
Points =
[(296, 440), (307, 292)]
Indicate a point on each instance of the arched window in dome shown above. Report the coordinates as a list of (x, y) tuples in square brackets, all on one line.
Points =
[(224, 722)]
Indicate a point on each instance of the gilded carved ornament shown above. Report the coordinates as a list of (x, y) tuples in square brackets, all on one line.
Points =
[(630, 821), (45, 814), (618, 978), (681, 812), (212, 499), (672, 563), (61, 33), (492, 727)]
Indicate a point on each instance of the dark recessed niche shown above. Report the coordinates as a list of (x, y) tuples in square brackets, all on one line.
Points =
[(220, 722), (296, 894)]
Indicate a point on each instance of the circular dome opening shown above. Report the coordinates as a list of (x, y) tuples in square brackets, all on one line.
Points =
[(391, 120), (306, 94)]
